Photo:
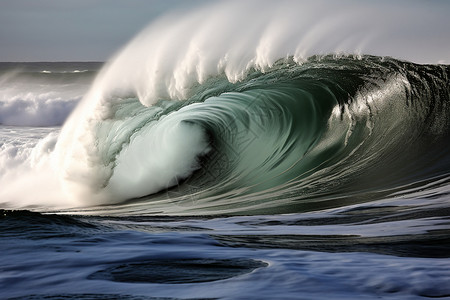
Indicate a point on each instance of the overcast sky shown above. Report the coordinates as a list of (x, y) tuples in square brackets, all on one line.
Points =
[(75, 30), (93, 30)]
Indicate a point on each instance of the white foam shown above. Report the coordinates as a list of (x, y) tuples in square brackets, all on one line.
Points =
[(27, 178), (157, 159)]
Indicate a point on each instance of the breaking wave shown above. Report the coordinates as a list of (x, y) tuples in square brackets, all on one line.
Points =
[(202, 115), (293, 137)]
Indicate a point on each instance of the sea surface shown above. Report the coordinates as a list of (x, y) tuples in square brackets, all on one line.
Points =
[(222, 171)]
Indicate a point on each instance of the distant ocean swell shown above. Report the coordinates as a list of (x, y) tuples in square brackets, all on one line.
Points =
[(42, 94), (328, 132)]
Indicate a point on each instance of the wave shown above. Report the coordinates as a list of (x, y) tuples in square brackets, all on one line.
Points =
[(291, 138), (32, 97), (200, 115), (64, 72)]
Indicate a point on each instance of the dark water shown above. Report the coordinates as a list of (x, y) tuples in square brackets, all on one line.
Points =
[(389, 251)]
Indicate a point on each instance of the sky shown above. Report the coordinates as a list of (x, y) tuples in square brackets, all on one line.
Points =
[(75, 30), (93, 30)]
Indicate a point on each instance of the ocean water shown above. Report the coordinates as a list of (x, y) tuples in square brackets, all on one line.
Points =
[(270, 162)]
